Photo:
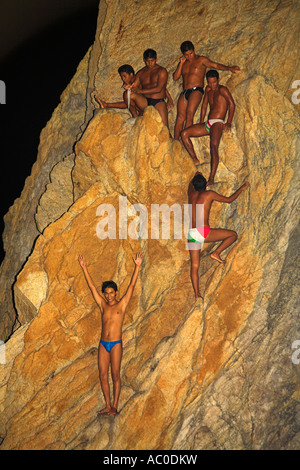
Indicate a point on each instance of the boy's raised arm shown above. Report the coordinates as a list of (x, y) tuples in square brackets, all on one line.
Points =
[(138, 261), (90, 283)]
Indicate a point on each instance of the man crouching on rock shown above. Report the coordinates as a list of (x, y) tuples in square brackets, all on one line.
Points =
[(110, 347)]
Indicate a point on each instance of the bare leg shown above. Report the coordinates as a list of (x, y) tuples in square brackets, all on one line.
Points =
[(115, 358), (103, 366), (133, 104), (181, 115), (163, 111), (138, 100), (198, 130), (193, 103), (195, 263), (215, 136), (228, 237)]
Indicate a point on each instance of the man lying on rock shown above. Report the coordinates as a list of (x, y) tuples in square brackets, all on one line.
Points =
[(110, 347)]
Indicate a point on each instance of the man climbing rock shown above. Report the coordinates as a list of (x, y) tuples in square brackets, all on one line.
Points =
[(200, 231)]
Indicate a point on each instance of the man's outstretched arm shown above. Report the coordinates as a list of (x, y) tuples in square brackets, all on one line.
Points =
[(138, 261), (215, 65), (230, 199), (90, 283)]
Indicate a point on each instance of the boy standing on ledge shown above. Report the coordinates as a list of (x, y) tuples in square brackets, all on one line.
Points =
[(110, 347)]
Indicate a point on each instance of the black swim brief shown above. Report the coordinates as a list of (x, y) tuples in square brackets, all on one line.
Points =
[(186, 93), (154, 101)]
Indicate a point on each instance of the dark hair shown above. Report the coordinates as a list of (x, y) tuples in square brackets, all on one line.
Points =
[(186, 46), (199, 182), (111, 284), (126, 68), (150, 54), (212, 73)]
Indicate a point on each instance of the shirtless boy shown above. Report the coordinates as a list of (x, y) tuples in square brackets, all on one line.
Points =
[(197, 194), (128, 76), (192, 68), (110, 347), (149, 87), (220, 100)]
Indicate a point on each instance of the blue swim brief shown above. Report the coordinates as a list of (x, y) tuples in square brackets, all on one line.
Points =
[(109, 344)]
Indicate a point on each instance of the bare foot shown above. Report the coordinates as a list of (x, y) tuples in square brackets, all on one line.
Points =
[(105, 410), (210, 183), (113, 411), (216, 257), (197, 163), (102, 103), (199, 296)]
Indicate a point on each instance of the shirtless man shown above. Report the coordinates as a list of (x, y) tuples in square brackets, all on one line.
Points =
[(128, 76), (110, 347), (220, 100), (149, 87), (192, 67), (201, 232)]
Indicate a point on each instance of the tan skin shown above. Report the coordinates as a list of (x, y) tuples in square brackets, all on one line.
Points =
[(137, 102), (128, 79), (227, 237), (192, 69), (151, 82), (113, 312), (220, 100)]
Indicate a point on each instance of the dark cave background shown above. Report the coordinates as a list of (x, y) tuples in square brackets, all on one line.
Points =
[(35, 73)]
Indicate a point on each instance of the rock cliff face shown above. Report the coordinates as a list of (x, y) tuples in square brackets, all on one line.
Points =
[(212, 374)]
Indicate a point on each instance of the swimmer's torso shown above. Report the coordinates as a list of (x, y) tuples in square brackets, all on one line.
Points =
[(193, 73), (217, 102), (112, 320), (201, 197), (149, 79)]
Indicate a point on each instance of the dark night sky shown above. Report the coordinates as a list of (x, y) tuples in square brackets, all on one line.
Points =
[(39, 54)]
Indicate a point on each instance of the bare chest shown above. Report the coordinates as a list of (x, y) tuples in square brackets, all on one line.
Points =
[(193, 68), (149, 78), (112, 315), (215, 98)]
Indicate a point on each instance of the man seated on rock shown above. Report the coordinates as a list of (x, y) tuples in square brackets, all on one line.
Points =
[(110, 347), (150, 86), (200, 231), (127, 74), (137, 103), (220, 101), (192, 68)]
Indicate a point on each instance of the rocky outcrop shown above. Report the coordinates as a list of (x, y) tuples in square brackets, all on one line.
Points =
[(212, 374)]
